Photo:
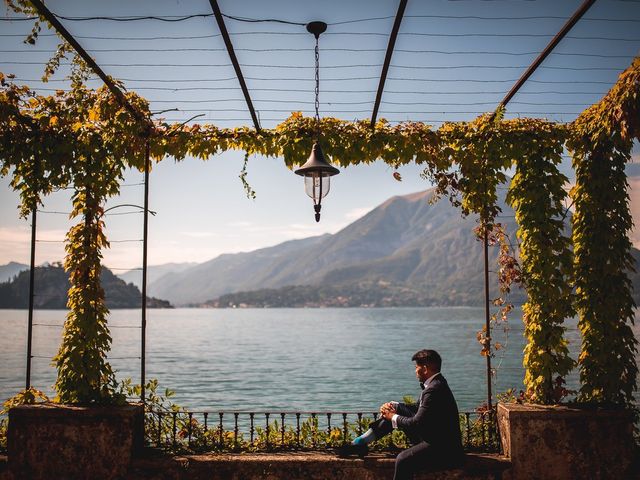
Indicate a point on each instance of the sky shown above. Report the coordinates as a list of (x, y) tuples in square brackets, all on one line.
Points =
[(453, 60)]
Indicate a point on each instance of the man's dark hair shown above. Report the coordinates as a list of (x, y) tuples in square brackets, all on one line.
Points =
[(429, 358)]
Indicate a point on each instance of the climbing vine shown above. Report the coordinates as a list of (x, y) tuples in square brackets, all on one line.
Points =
[(481, 152), (26, 137), (477, 150), (537, 195), (600, 143), (104, 136), (479, 165), (76, 139), (347, 143)]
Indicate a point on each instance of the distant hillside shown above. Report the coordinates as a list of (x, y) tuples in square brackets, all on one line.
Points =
[(228, 273), (154, 272), (51, 284), (372, 294), (633, 169), (10, 270), (406, 252), (365, 294), (405, 242)]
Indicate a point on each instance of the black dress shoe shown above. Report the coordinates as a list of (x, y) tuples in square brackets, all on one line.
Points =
[(351, 450)]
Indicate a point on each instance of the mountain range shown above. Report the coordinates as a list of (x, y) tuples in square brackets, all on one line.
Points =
[(406, 251), (406, 243), (10, 270), (154, 272), (51, 284)]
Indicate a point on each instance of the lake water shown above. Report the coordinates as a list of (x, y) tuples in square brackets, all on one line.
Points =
[(277, 359)]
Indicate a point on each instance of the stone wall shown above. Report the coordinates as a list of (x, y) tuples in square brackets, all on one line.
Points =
[(289, 466), (566, 442), (52, 441)]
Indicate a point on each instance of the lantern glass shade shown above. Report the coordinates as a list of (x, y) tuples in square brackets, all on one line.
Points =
[(317, 185)]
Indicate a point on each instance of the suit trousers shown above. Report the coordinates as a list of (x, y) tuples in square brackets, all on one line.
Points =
[(421, 456)]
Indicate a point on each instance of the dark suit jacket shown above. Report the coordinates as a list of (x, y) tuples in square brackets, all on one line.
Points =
[(436, 420)]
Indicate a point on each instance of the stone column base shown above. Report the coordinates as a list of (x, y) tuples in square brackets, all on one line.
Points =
[(48, 441), (566, 442)]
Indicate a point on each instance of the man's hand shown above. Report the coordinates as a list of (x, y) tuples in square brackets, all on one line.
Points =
[(388, 410)]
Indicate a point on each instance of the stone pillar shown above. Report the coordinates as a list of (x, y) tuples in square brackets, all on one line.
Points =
[(48, 440), (566, 442)]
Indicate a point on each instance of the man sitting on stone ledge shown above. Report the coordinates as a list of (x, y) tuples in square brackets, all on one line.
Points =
[(432, 425)]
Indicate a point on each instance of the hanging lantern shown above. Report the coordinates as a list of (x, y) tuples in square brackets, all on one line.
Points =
[(317, 172), (317, 175)]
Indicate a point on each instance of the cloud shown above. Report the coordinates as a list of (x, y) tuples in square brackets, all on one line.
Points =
[(303, 230), (15, 245), (356, 213), (199, 234), (19, 235), (15, 235), (52, 235)]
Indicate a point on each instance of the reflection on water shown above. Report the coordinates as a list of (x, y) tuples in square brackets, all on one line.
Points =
[(294, 359)]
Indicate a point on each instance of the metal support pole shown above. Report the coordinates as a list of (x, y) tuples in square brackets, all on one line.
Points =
[(145, 238), (586, 5), (487, 316), (32, 273), (55, 23), (387, 59), (234, 61)]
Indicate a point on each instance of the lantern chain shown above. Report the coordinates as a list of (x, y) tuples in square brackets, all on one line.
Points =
[(317, 105)]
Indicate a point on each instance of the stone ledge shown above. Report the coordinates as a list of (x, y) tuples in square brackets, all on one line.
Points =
[(290, 466), (302, 465), (58, 410), (568, 411)]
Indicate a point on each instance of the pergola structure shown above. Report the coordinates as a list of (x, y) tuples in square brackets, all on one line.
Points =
[(147, 125)]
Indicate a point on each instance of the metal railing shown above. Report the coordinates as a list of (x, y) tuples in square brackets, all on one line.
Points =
[(236, 431)]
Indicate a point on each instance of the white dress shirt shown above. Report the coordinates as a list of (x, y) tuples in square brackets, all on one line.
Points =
[(394, 419)]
